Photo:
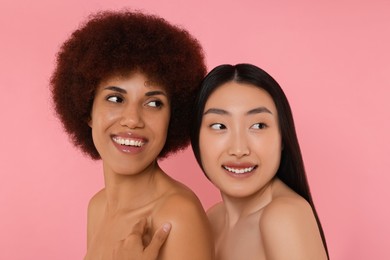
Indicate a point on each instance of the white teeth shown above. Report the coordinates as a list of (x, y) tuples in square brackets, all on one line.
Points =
[(239, 171), (128, 142)]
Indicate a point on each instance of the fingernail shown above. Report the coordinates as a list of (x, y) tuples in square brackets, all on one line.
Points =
[(167, 227)]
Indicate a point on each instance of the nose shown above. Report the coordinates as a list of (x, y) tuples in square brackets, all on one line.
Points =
[(132, 117), (239, 145)]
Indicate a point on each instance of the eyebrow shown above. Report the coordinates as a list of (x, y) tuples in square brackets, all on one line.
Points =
[(219, 111), (258, 110), (116, 89), (148, 94), (155, 92)]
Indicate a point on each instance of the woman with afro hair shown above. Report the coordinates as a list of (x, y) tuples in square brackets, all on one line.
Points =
[(123, 89)]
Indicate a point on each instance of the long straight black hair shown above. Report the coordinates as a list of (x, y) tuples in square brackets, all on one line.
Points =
[(291, 169)]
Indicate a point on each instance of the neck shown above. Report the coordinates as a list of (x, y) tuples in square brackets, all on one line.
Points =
[(238, 208), (130, 192)]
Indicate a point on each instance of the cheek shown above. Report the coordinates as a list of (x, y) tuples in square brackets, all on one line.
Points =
[(159, 126), (161, 122), (207, 141), (98, 122), (101, 116), (208, 161), (211, 147), (166, 117), (201, 143), (203, 147), (272, 151)]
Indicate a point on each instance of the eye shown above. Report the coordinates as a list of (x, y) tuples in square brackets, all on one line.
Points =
[(259, 126), (217, 126), (155, 103), (115, 99)]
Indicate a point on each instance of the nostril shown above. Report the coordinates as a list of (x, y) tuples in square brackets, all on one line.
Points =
[(131, 120)]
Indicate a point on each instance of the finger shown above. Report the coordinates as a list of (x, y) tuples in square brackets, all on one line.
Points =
[(135, 236), (158, 240), (131, 247), (139, 227)]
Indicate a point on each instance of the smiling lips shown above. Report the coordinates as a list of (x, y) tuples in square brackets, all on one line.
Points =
[(239, 170), (128, 141), (132, 145)]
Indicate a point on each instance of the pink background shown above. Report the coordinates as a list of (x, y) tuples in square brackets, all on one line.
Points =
[(331, 57)]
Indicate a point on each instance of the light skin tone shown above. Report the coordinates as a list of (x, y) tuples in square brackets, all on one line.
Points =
[(129, 122), (259, 217)]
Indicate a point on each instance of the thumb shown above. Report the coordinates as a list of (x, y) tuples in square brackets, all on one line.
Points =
[(159, 237)]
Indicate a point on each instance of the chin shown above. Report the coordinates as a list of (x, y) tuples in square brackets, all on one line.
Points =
[(238, 193)]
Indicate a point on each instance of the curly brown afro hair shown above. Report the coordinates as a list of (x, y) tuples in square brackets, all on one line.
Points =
[(113, 43)]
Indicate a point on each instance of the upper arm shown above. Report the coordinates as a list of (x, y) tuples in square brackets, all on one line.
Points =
[(190, 236), (93, 213), (289, 231), (90, 222)]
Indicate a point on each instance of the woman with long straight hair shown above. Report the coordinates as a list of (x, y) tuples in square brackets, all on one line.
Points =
[(244, 139)]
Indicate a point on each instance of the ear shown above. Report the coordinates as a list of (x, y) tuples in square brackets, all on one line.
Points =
[(89, 121)]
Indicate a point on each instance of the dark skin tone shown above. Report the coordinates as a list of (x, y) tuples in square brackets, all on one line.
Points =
[(129, 122), (132, 247)]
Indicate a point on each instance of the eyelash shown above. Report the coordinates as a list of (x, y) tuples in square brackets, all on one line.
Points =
[(158, 103), (261, 126), (219, 126), (118, 99), (213, 126)]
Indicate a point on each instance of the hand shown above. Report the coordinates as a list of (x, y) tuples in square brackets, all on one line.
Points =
[(131, 248)]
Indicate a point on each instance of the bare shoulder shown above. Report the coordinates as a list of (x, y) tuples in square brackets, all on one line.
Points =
[(96, 203), (180, 206), (190, 236), (215, 214), (289, 230), (290, 211), (95, 213), (181, 202)]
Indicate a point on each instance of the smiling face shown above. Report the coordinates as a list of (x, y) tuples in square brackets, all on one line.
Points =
[(240, 142), (129, 122)]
